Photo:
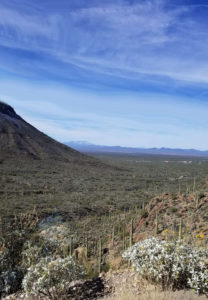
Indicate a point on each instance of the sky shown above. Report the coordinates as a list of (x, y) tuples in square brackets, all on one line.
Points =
[(111, 72)]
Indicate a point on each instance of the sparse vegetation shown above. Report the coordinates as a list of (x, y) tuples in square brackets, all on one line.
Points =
[(94, 214)]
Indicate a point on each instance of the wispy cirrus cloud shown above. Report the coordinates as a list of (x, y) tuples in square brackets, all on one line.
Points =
[(123, 38), (126, 72)]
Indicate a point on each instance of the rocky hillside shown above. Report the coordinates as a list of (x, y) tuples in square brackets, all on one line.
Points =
[(165, 213), (19, 138), (39, 171)]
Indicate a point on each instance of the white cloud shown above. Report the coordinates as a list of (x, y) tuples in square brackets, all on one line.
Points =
[(145, 41), (145, 38)]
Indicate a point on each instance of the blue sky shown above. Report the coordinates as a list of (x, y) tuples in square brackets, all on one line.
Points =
[(122, 72)]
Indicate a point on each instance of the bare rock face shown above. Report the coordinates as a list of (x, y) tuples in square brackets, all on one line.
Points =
[(20, 139)]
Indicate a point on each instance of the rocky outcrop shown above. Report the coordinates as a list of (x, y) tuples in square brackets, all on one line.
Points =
[(8, 111)]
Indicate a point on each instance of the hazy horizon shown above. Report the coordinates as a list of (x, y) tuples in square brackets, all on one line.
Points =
[(83, 143), (126, 73)]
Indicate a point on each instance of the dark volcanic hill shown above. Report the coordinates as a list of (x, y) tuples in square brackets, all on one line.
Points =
[(19, 138), (35, 170)]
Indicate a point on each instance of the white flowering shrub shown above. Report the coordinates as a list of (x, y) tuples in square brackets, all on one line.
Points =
[(51, 276), (171, 264), (33, 252)]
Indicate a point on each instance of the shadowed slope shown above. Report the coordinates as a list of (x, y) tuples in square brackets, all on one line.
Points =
[(19, 138)]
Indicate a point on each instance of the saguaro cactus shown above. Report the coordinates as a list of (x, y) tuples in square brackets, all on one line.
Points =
[(156, 224), (113, 235), (124, 236), (196, 199), (194, 184), (131, 234), (87, 247), (70, 247), (100, 255), (180, 230)]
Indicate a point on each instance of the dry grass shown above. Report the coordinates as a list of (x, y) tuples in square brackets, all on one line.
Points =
[(128, 286), (157, 295)]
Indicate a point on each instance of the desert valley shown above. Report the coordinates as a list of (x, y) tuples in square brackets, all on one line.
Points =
[(58, 203)]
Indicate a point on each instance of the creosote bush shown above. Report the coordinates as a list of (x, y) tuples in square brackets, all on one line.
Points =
[(173, 265)]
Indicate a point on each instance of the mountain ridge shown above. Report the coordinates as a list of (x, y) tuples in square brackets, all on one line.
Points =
[(85, 147), (18, 138), (39, 171)]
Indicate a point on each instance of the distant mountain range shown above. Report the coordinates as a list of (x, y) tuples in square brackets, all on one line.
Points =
[(86, 147)]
